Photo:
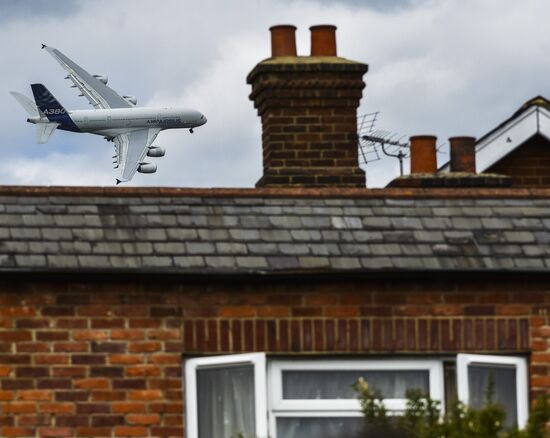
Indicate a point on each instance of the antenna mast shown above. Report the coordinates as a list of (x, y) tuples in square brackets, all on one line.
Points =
[(382, 141)]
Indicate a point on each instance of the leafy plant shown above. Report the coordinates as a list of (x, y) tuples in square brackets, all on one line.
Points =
[(372, 403), (537, 423), (423, 418)]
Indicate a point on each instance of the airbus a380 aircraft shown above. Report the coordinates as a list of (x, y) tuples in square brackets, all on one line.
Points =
[(115, 117)]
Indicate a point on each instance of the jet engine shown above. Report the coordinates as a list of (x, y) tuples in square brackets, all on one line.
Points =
[(156, 151), (131, 99), (147, 168), (102, 78)]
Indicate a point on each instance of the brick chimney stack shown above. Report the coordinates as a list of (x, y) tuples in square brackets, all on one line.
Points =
[(308, 106)]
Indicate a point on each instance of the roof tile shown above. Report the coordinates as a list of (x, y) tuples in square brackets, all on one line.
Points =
[(221, 262), (200, 248), (345, 262), (314, 262), (254, 262)]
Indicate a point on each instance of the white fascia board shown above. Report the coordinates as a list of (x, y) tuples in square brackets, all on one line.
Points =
[(544, 122)]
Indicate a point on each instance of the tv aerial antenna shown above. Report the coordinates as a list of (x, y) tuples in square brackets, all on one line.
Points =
[(390, 144), (365, 126), (376, 143)]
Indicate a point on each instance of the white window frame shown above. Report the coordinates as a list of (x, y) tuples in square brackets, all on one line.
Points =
[(522, 387), (279, 407), (260, 384), (269, 402)]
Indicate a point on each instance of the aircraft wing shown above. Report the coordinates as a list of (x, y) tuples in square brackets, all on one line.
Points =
[(131, 148), (99, 94)]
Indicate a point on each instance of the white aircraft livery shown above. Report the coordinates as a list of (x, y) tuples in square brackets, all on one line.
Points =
[(117, 118)]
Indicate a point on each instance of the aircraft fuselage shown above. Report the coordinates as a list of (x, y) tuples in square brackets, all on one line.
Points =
[(110, 122)]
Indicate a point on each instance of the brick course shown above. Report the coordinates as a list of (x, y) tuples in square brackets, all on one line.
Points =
[(119, 373), (528, 165)]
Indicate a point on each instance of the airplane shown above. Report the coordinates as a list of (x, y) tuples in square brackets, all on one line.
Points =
[(132, 129)]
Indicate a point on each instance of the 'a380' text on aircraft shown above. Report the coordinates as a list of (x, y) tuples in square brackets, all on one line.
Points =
[(117, 118)]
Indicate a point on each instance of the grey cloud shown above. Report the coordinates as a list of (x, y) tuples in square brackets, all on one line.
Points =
[(378, 5), (27, 9)]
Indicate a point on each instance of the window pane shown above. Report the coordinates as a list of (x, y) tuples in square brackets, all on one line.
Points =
[(225, 399), (332, 384), (323, 427), (505, 387)]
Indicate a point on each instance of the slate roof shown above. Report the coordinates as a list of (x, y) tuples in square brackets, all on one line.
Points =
[(273, 231)]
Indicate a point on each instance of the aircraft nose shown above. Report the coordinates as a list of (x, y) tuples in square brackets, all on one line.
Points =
[(202, 119)]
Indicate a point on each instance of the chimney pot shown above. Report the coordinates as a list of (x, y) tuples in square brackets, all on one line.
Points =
[(323, 40), (463, 154), (423, 154), (283, 40)]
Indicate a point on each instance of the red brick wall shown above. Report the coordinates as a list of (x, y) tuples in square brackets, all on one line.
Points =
[(94, 362), (528, 165), (105, 360)]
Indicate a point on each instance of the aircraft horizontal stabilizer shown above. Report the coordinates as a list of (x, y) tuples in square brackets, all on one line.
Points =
[(44, 131)]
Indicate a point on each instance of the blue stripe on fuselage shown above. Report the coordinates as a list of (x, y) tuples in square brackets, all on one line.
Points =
[(66, 123)]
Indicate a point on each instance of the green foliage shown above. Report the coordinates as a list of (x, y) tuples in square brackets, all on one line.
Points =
[(371, 404), (457, 421), (423, 418), (379, 423), (536, 425)]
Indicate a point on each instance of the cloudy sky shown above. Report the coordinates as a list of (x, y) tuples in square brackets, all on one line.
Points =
[(443, 67)]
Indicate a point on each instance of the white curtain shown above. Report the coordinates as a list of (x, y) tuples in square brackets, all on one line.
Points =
[(339, 384), (504, 378), (226, 401), (320, 427)]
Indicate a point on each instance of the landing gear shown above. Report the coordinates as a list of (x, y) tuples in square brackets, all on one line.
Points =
[(191, 130)]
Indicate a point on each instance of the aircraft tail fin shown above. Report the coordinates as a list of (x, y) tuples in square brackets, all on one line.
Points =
[(26, 103), (44, 131), (47, 103)]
